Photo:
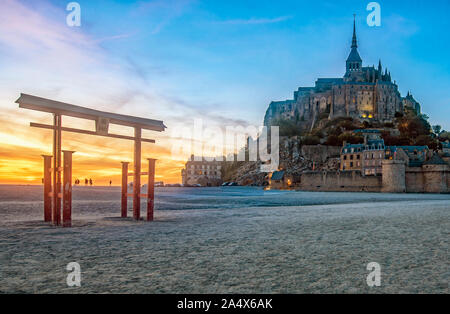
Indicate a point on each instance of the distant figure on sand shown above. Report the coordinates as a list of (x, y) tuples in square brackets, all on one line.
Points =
[(86, 181), (110, 182), (90, 182)]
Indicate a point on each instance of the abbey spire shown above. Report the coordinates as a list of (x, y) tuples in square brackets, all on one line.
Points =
[(354, 40), (354, 61)]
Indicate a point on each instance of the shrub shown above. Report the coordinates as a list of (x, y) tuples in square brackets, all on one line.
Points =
[(333, 140), (350, 138), (311, 140)]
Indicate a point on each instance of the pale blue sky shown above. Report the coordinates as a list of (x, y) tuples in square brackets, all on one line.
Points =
[(224, 60)]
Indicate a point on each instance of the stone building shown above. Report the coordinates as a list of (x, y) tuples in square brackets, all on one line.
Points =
[(410, 102), (351, 157), (393, 176), (413, 156), (204, 173), (446, 148), (366, 93), (366, 157)]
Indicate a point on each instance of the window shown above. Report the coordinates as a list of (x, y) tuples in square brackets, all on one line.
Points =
[(345, 157), (351, 157), (351, 164), (358, 157)]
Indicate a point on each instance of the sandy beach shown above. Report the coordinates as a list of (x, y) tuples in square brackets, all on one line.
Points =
[(240, 240)]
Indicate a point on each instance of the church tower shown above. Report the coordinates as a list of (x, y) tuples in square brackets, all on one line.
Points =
[(354, 61)]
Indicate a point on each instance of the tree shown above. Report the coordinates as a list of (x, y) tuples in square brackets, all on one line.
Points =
[(413, 126), (350, 138), (437, 129), (333, 140), (444, 136)]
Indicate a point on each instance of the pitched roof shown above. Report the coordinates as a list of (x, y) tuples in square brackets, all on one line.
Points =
[(354, 56), (408, 149), (435, 160), (278, 175), (376, 143)]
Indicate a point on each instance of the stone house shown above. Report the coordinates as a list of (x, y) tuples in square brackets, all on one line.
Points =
[(280, 180), (203, 172)]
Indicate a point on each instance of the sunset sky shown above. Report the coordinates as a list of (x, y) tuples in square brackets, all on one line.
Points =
[(180, 60)]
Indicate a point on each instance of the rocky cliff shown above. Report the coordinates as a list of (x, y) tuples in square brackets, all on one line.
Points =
[(295, 158)]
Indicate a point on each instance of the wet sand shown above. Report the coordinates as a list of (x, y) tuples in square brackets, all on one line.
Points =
[(232, 249)]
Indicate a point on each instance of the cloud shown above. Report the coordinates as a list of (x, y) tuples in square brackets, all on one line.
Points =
[(114, 37), (29, 34), (163, 11), (256, 21)]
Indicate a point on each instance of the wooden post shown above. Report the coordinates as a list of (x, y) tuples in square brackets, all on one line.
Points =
[(151, 189), (124, 189), (67, 189), (137, 174), (47, 188), (57, 170)]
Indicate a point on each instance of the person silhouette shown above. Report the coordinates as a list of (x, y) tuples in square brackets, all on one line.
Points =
[(86, 181), (110, 182), (90, 182)]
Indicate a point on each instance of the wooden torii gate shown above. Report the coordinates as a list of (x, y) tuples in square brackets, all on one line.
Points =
[(54, 195)]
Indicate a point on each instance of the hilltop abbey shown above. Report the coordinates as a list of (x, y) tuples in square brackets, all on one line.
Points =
[(364, 93)]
